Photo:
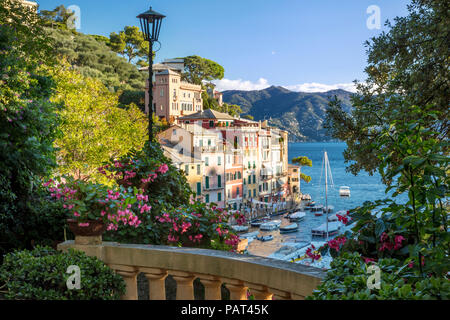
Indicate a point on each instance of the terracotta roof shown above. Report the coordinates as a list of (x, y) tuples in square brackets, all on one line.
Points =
[(208, 114)]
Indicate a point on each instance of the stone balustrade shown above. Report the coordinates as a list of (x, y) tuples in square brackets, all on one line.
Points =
[(266, 278)]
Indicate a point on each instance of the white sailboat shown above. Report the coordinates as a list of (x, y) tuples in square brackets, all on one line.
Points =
[(324, 230)]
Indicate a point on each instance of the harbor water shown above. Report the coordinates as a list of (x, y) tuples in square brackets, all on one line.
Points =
[(363, 188)]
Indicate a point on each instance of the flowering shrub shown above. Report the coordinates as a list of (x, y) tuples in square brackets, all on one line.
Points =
[(173, 218), (198, 225), (86, 201), (347, 280)]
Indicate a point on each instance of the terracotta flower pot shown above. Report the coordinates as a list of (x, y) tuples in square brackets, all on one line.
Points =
[(95, 228)]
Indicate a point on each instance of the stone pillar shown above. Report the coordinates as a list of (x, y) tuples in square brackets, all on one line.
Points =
[(94, 241), (212, 287), (129, 274), (259, 292), (185, 287), (280, 295), (238, 291), (156, 282)]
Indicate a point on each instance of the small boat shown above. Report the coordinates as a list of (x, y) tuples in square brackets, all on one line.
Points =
[(240, 228), (318, 214), (344, 191), (265, 238), (290, 228), (297, 216), (317, 208), (258, 222), (330, 209), (332, 218), (271, 225), (309, 205), (321, 231)]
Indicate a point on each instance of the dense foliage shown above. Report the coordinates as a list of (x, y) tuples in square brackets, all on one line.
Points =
[(303, 162), (399, 127), (408, 65), (199, 70), (413, 236), (93, 127), (168, 216), (347, 280), (94, 58), (41, 274), (130, 43), (28, 124)]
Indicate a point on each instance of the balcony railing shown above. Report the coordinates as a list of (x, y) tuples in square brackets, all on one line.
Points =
[(266, 278)]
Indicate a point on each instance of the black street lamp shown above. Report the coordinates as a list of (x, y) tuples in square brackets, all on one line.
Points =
[(151, 26)]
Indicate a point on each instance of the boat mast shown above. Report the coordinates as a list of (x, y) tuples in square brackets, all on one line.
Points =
[(326, 187)]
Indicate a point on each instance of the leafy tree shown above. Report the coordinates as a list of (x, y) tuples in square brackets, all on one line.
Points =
[(94, 128), (407, 66), (130, 43), (57, 17), (198, 69), (91, 56), (249, 117), (409, 239), (28, 122), (303, 162)]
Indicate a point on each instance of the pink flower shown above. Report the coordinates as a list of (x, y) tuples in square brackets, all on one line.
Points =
[(163, 168), (76, 214), (367, 260), (398, 242), (83, 224)]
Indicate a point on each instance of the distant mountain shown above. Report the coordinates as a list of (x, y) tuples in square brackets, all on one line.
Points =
[(301, 114)]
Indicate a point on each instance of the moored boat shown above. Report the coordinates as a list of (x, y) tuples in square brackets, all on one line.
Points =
[(328, 209), (258, 222), (290, 228), (297, 216), (321, 231), (317, 208), (344, 191), (271, 225), (265, 238)]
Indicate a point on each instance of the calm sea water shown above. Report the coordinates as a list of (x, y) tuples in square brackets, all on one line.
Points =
[(363, 188)]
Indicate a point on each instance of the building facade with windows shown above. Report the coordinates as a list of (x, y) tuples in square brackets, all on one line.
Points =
[(241, 161), (172, 97)]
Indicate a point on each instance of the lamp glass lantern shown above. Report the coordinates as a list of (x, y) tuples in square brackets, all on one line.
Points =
[(151, 26)]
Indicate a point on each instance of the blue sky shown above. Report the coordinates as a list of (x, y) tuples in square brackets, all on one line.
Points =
[(304, 45)]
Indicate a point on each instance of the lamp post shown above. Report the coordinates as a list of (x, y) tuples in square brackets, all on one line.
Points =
[(150, 26)]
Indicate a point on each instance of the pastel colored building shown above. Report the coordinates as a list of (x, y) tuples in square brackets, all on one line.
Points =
[(172, 97), (244, 163)]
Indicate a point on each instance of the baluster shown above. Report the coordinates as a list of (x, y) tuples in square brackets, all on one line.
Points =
[(129, 275), (280, 295), (156, 282), (212, 287), (185, 287), (238, 291), (259, 292)]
